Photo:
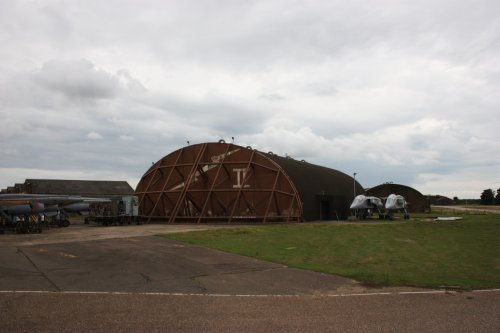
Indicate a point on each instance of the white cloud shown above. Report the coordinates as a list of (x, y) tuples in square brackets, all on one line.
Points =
[(94, 136), (77, 79), (126, 138), (392, 90), (463, 183)]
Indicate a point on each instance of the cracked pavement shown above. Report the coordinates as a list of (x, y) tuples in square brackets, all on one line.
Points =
[(118, 279), (129, 259), (153, 264)]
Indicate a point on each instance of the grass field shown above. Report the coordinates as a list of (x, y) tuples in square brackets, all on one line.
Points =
[(458, 254), (488, 207), (466, 209)]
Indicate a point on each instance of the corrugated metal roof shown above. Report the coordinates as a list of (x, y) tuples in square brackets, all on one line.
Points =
[(321, 189), (78, 187)]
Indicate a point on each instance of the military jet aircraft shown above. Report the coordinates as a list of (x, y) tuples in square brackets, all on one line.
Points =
[(396, 203), (363, 206), (24, 212)]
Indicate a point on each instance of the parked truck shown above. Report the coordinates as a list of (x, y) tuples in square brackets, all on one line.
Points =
[(120, 210)]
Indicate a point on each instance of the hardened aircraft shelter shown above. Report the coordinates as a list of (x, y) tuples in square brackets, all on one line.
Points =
[(417, 202), (222, 182)]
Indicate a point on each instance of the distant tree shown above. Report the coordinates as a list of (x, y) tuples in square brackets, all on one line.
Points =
[(497, 197), (487, 197), (456, 200)]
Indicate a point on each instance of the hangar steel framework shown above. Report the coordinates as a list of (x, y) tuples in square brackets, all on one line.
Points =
[(218, 182)]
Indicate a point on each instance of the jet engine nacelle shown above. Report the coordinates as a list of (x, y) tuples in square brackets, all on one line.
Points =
[(22, 209), (78, 207)]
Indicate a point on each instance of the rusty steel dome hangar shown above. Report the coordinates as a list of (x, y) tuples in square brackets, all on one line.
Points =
[(224, 182)]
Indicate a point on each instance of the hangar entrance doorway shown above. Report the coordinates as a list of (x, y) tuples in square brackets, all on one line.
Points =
[(326, 203), (324, 209), (330, 206)]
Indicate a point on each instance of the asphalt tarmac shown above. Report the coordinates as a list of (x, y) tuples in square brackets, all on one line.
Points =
[(125, 279)]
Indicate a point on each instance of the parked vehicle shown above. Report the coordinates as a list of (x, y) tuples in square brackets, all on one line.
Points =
[(118, 211)]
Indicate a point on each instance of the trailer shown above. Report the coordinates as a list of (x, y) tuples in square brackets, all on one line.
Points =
[(118, 211), (21, 224)]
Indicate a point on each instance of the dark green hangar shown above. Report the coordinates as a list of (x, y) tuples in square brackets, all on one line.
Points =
[(417, 202), (222, 182)]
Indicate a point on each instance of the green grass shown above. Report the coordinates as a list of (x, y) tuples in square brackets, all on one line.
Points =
[(463, 209), (463, 254), (488, 207)]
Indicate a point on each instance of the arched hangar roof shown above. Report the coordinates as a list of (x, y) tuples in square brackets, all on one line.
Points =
[(318, 186), (417, 202), (229, 183)]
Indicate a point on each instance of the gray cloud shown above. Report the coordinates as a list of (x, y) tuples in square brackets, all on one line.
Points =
[(396, 91), (77, 79)]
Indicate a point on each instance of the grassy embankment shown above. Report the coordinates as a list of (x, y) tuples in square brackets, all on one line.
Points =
[(457, 254), (480, 207), (474, 209)]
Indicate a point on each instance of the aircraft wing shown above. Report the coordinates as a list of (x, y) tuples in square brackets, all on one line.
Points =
[(50, 199)]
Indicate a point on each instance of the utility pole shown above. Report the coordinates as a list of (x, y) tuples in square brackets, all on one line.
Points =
[(354, 183)]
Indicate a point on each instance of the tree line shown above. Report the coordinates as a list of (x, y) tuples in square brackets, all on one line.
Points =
[(488, 197)]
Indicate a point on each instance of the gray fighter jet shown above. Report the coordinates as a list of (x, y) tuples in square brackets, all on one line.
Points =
[(363, 206), (396, 203), (25, 212)]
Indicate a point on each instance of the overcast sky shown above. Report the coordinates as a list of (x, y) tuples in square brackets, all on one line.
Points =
[(401, 91)]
